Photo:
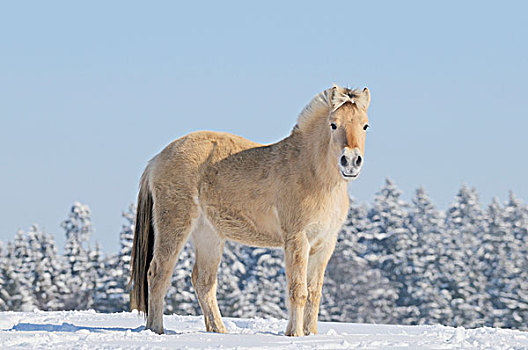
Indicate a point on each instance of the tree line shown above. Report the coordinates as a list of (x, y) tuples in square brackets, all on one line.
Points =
[(395, 262)]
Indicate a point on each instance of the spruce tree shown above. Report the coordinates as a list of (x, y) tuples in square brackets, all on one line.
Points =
[(264, 282), (424, 228), (77, 227), (126, 239), (460, 275), (387, 242), (232, 300), (514, 293), (24, 267), (15, 294), (96, 273), (45, 283), (113, 294), (355, 291)]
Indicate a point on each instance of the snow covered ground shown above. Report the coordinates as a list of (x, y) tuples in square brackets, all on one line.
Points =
[(91, 330)]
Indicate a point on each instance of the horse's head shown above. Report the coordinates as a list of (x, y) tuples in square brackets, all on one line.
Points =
[(348, 123)]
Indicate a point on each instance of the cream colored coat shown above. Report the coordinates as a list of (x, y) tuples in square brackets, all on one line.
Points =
[(217, 186)]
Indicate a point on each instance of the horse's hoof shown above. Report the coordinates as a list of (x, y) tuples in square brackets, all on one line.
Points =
[(217, 329), (308, 332), (155, 330), (293, 333)]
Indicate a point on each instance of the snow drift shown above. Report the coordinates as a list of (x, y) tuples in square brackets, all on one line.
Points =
[(91, 330)]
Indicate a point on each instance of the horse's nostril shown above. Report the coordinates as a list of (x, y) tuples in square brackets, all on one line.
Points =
[(344, 161), (358, 160)]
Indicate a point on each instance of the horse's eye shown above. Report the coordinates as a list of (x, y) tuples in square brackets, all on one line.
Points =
[(333, 126), (366, 127)]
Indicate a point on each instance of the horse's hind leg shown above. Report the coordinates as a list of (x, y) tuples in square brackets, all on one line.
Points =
[(208, 248), (173, 221)]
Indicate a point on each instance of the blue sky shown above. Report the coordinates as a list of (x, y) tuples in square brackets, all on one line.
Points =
[(90, 91)]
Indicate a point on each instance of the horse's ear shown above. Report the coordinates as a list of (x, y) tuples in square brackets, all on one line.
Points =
[(330, 93), (338, 88), (364, 98), (333, 95)]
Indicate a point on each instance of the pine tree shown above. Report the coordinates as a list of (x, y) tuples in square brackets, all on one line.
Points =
[(4, 296), (263, 284), (459, 271), (77, 227), (387, 242), (514, 293), (126, 238), (424, 303), (232, 301), (344, 269), (23, 266), (44, 281), (387, 219), (112, 294), (96, 272), (127, 241), (14, 294), (355, 291)]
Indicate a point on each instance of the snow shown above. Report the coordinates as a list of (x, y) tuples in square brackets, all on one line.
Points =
[(91, 330)]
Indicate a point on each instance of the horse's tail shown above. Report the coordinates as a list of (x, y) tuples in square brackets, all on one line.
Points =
[(143, 247)]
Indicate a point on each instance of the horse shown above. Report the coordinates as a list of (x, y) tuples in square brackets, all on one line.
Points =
[(215, 186)]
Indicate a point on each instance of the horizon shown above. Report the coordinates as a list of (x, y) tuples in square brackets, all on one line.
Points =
[(59, 239)]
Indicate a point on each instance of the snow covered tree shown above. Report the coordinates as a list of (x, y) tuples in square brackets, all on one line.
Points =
[(112, 293), (386, 239), (264, 282), (126, 238), (96, 272), (45, 283), (459, 274), (353, 290), (231, 299), (15, 294), (387, 224), (423, 231), (77, 227), (514, 288), (23, 266)]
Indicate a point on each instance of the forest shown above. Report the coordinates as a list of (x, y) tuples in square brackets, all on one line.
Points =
[(395, 262)]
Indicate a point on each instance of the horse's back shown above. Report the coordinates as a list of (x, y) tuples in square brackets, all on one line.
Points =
[(181, 165)]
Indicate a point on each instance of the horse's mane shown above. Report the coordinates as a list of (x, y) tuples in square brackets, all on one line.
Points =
[(329, 100)]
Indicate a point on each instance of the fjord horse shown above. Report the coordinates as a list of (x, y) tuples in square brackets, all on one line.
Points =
[(215, 187)]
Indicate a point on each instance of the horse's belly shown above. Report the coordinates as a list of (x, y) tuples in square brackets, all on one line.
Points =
[(255, 229)]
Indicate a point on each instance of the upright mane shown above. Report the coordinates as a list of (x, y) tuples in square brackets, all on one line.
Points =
[(328, 101), (319, 105)]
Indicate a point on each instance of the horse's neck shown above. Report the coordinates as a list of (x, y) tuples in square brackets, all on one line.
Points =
[(310, 160)]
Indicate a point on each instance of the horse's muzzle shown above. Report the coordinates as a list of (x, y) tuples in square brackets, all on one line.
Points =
[(350, 163)]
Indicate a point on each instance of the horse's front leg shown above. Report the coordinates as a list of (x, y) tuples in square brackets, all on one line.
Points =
[(296, 257), (316, 268)]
